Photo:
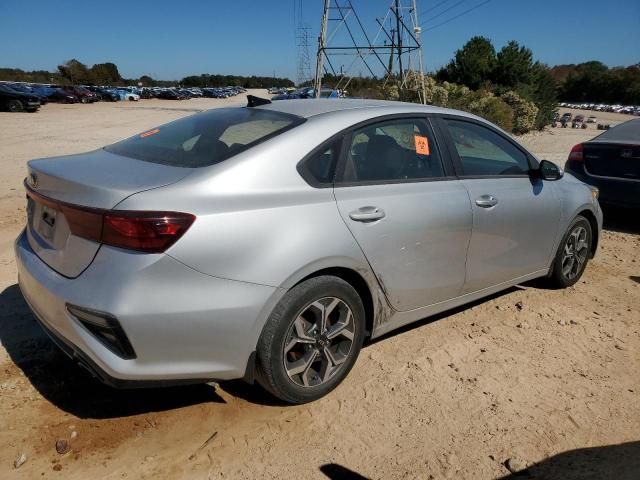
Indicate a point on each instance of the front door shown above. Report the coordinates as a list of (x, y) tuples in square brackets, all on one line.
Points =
[(408, 213), (515, 214)]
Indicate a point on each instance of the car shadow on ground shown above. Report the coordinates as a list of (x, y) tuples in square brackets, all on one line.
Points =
[(619, 462), (68, 386), (333, 471), (623, 220)]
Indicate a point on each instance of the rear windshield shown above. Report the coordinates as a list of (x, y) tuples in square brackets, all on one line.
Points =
[(206, 138), (628, 131)]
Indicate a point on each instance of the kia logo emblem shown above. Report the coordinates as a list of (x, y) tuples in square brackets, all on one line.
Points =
[(32, 180), (626, 153)]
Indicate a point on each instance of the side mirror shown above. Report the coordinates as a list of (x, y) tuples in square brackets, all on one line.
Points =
[(550, 171)]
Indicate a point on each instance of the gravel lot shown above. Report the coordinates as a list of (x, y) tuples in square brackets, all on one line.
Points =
[(543, 378)]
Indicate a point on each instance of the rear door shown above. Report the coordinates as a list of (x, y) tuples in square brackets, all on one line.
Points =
[(406, 210), (515, 215)]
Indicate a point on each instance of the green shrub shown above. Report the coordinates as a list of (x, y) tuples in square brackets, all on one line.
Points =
[(493, 109), (524, 113)]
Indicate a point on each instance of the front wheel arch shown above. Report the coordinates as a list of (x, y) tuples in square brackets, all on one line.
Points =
[(591, 218)]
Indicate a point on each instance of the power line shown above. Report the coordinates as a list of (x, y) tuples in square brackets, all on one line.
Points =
[(433, 8), (445, 11), (456, 16)]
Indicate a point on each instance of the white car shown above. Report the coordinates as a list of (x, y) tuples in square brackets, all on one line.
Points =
[(127, 95)]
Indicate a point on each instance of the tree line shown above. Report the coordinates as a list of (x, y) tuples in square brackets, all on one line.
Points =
[(208, 80), (594, 82), (478, 66), (74, 72)]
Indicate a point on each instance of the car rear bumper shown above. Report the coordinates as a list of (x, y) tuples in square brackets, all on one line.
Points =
[(613, 191), (184, 326)]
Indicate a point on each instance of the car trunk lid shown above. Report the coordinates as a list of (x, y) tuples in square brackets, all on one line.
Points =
[(95, 180), (612, 160)]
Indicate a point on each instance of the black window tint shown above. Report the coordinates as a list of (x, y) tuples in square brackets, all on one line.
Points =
[(391, 151), (206, 138), (484, 152), (319, 169)]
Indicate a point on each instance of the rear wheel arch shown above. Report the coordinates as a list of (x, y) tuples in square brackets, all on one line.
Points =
[(349, 275), (360, 285)]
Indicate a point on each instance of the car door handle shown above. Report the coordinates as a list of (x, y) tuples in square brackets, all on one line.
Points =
[(367, 214), (486, 201)]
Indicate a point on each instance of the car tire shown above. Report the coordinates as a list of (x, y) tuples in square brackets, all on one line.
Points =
[(15, 106), (311, 340), (573, 254)]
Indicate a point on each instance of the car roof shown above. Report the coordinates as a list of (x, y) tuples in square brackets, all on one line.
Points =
[(308, 108), (627, 132)]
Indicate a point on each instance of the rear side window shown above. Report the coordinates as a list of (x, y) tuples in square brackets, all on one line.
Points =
[(483, 152), (320, 167), (206, 138), (392, 151)]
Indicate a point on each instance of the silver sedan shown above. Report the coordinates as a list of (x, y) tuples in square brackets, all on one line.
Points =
[(270, 241)]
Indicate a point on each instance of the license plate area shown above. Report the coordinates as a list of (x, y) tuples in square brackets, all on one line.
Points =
[(42, 219), (48, 224)]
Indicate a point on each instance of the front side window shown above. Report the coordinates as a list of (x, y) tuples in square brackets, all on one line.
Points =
[(206, 138), (483, 152), (391, 151)]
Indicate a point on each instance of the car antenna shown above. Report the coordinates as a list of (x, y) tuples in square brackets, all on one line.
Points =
[(253, 101)]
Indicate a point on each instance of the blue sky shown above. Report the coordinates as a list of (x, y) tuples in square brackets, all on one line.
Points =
[(170, 39)]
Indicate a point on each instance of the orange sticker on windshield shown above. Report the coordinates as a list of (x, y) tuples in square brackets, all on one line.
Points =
[(149, 133), (422, 145)]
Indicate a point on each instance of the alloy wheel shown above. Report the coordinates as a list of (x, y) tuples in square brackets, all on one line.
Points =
[(575, 252), (319, 342)]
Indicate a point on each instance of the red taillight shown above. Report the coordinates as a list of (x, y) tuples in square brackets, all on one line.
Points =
[(145, 231), (151, 232), (576, 153)]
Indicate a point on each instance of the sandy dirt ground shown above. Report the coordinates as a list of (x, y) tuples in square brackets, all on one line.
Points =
[(548, 379)]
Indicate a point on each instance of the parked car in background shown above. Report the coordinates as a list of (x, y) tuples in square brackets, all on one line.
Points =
[(82, 94), (592, 119), (578, 122), (211, 93), (611, 162), (127, 95), (565, 119), (63, 95), (43, 91), (15, 101), (254, 242), (329, 93), (107, 95), (169, 95), (306, 92), (85, 95), (147, 93), (29, 91)]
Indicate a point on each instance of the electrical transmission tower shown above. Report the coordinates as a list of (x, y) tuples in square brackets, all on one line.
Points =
[(303, 61), (393, 53)]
